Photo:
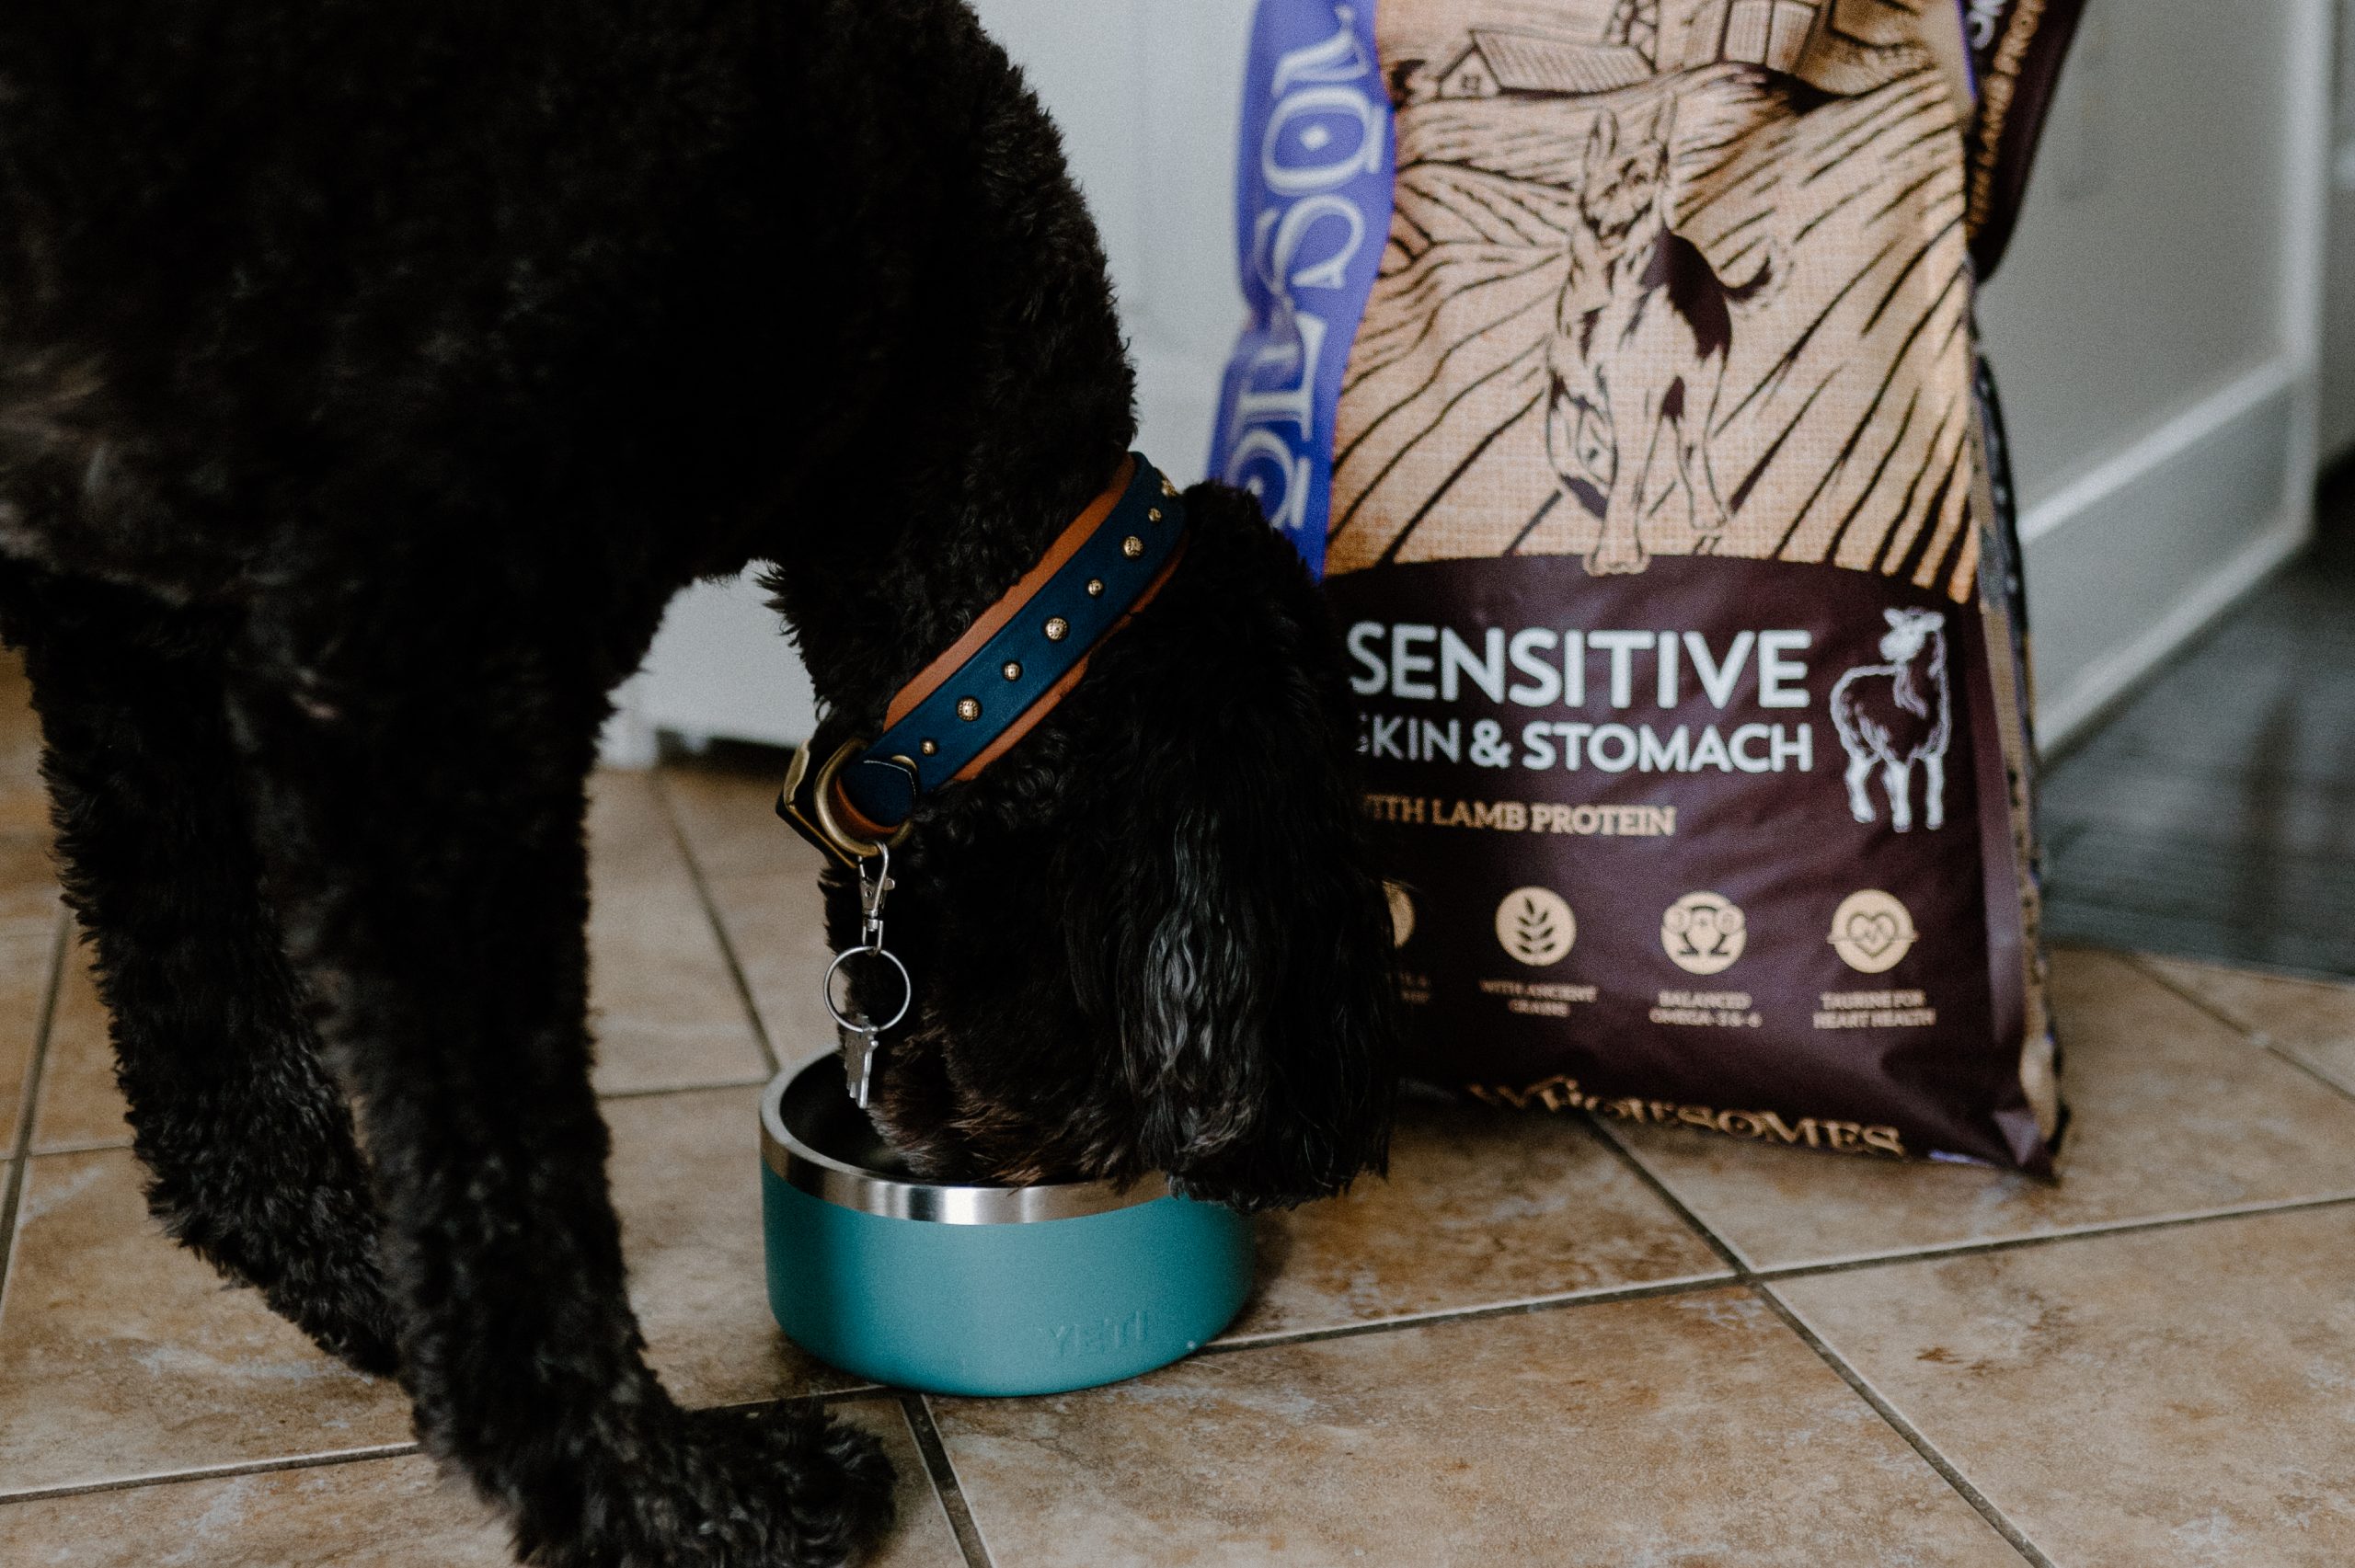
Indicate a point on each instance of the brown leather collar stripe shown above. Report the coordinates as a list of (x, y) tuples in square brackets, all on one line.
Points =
[(988, 624), (1055, 693)]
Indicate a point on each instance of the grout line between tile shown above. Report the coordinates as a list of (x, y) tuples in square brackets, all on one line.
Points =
[(1727, 1253), (1603, 1296), (945, 1485), (2258, 1037), (718, 926), (18, 1135), (825, 1396), (11, 1179), (379, 1451), (79, 1146), (215, 1472), (2275, 1048), (1741, 1273), (1996, 1518), (1748, 1276), (1944, 1252), (2140, 963), (658, 1090)]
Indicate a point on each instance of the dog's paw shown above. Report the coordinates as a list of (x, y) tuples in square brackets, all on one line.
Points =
[(365, 1342), (780, 1487), (346, 1311), (823, 1484)]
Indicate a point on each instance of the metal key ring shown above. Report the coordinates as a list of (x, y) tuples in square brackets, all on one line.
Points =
[(907, 989)]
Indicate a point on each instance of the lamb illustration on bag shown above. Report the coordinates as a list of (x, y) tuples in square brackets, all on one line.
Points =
[(1897, 713), (1632, 380)]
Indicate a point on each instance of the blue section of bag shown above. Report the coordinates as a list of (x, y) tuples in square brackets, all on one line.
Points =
[(1313, 172)]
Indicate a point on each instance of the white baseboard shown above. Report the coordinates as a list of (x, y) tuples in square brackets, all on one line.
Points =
[(2183, 431), (2061, 718), (2133, 558), (628, 739)]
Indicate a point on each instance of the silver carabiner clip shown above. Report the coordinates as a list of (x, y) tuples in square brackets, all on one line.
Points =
[(871, 892), (859, 1034)]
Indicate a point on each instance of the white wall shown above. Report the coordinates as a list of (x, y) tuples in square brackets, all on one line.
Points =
[(2155, 327), (1148, 94), (2338, 435), (2155, 332)]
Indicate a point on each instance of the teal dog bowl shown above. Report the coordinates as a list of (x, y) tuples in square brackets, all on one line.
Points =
[(978, 1291)]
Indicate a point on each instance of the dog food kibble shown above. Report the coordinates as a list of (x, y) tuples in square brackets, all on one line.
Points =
[(1612, 361)]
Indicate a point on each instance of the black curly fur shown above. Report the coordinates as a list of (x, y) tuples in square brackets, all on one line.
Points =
[(371, 376)]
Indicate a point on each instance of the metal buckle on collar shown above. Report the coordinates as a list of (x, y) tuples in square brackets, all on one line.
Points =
[(812, 805)]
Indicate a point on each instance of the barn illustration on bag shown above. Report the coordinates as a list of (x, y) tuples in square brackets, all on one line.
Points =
[(1665, 276)]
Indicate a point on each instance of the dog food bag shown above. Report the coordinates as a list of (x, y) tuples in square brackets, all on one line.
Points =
[(1614, 361)]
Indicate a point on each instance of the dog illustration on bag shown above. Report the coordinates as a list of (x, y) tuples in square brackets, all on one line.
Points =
[(1638, 351), (1683, 283), (1896, 715)]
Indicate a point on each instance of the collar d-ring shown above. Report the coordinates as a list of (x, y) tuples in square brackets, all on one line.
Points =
[(811, 802)]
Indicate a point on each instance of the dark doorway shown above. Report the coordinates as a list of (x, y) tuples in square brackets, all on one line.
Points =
[(2214, 814)]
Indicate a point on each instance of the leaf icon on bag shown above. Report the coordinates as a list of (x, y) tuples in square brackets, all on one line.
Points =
[(1535, 926)]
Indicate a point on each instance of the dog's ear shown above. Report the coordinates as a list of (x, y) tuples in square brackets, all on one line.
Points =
[(1241, 946), (1603, 141), (1662, 133)]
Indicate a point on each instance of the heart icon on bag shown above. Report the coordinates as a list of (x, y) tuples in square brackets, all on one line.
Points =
[(1872, 932)]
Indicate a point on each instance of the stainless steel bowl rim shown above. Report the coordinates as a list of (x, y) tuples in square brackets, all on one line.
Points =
[(847, 1186)]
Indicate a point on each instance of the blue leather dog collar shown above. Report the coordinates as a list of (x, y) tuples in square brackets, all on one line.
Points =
[(966, 707)]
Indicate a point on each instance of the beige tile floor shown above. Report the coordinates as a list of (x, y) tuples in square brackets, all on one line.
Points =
[(1536, 1344)]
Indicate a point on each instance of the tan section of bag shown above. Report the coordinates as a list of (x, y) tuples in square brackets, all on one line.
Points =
[(1646, 294)]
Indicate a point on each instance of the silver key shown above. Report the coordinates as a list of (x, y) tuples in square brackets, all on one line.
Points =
[(858, 1059)]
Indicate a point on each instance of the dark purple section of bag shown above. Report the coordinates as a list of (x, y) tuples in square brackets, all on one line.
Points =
[(1782, 846)]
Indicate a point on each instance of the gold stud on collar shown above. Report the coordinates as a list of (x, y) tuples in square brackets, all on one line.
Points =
[(1012, 672), (1057, 628), (930, 748), (1153, 515), (1132, 546), (1166, 487), (1095, 588), (969, 708)]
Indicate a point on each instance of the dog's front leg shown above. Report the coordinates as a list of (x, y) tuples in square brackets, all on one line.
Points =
[(421, 802), (245, 1138)]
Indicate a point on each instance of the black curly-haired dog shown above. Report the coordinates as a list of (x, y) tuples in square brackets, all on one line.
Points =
[(370, 376)]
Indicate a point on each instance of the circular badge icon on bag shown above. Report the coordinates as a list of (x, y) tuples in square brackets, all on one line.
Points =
[(1703, 932), (1402, 912), (1535, 926), (1871, 931)]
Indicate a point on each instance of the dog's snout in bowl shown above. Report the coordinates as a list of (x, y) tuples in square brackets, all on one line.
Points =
[(965, 1289)]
